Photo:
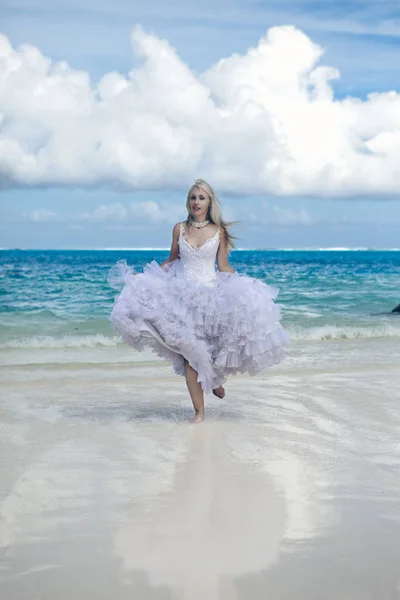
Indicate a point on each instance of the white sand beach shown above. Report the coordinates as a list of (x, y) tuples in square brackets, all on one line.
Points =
[(289, 490)]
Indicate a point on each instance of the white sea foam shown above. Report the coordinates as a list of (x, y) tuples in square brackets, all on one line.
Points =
[(66, 341), (334, 332), (129, 249), (335, 249), (116, 249), (312, 334)]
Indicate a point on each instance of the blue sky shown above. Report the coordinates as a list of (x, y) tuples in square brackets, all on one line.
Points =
[(360, 39)]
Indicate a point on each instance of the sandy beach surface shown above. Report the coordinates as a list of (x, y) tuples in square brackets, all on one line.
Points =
[(289, 490)]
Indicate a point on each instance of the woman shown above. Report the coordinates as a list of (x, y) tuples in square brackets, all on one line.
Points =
[(208, 323)]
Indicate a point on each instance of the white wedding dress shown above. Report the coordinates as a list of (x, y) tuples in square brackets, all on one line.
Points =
[(222, 323)]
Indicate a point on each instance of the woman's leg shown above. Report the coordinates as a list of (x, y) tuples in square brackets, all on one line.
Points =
[(195, 391)]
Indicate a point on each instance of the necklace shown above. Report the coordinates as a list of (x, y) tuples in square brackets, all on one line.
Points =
[(199, 224)]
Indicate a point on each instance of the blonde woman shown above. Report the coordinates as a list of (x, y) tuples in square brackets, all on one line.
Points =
[(209, 323)]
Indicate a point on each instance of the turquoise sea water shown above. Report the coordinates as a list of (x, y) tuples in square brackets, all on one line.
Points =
[(60, 298)]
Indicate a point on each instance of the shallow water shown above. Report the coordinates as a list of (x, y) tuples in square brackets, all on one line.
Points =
[(290, 489)]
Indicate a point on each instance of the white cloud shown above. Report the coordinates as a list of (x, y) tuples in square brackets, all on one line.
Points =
[(41, 215), (276, 215), (291, 217), (155, 212), (107, 212), (266, 121), (137, 212), (148, 209)]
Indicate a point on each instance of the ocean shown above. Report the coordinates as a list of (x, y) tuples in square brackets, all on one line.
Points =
[(289, 489), (60, 299)]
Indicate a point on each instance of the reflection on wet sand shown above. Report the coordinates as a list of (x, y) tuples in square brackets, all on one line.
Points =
[(222, 518), (289, 491)]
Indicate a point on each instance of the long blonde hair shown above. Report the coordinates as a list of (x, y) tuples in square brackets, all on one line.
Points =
[(214, 214)]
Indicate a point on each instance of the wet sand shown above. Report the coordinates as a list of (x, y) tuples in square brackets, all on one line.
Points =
[(290, 489)]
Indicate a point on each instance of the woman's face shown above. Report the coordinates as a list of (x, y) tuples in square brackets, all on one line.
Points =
[(199, 201)]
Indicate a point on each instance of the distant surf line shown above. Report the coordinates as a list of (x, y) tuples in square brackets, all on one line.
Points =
[(328, 249)]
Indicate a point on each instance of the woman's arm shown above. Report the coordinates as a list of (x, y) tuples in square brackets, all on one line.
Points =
[(174, 252), (222, 255)]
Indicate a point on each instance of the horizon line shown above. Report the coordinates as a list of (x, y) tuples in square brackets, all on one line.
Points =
[(285, 249)]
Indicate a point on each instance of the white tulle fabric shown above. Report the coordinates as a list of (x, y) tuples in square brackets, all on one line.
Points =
[(222, 323)]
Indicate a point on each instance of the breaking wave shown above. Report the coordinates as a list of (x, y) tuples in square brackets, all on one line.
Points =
[(312, 334)]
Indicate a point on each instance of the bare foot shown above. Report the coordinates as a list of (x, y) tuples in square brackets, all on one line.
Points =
[(219, 391), (198, 418)]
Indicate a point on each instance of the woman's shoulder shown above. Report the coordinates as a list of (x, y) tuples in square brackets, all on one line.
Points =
[(177, 230)]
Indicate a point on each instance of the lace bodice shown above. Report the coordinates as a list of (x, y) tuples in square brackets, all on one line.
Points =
[(199, 262)]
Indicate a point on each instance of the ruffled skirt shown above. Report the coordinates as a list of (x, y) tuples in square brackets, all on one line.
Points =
[(231, 326)]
